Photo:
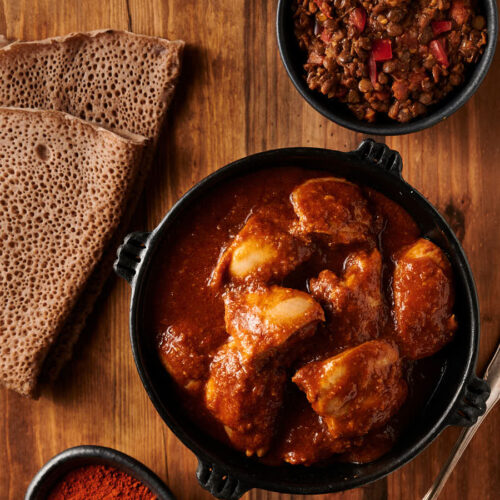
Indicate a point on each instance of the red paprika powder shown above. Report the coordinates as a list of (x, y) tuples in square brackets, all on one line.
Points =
[(99, 482)]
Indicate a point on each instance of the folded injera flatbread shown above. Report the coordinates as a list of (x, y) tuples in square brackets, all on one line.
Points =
[(64, 183), (113, 78), (118, 79)]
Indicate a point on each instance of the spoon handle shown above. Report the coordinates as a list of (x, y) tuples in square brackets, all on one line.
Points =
[(492, 376), (462, 442)]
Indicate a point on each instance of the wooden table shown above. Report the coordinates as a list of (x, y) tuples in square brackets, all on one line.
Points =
[(236, 99)]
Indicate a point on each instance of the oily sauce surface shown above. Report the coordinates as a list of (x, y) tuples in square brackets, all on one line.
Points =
[(187, 315)]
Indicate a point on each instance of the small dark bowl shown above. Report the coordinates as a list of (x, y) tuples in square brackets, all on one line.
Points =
[(293, 59), (458, 396), (57, 467)]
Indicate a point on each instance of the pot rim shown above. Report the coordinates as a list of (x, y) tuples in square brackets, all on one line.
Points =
[(253, 480), (439, 112)]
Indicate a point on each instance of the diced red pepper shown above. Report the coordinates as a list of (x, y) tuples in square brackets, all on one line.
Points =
[(438, 51), (382, 50), (439, 27), (358, 18), (372, 70), (324, 7), (459, 12), (326, 36)]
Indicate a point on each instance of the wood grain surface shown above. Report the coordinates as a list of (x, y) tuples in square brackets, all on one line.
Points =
[(236, 99)]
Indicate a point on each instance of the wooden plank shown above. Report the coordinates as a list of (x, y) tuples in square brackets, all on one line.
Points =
[(236, 99)]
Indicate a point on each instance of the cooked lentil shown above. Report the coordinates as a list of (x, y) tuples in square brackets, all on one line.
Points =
[(394, 57)]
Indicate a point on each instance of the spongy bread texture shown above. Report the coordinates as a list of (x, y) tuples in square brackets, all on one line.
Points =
[(63, 187), (117, 79)]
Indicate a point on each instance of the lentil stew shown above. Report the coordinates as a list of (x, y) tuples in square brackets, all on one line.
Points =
[(389, 57)]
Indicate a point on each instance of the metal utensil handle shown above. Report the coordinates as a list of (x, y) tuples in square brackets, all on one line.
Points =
[(492, 376), (462, 443)]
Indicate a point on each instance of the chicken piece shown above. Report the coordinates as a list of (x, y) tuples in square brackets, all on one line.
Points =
[(185, 350), (263, 251), (354, 302), (245, 395), (247, 378), (357, 390), (423, 299), (332, 207), (267, 320)]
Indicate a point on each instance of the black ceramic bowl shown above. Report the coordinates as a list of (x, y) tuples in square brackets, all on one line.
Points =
[(55, 469), (293, 59), (458, 396)]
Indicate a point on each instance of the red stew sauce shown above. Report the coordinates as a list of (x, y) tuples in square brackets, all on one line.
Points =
[(263, 412)]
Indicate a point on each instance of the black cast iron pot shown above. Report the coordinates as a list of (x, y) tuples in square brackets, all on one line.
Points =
[(293, 60), (458, 397)]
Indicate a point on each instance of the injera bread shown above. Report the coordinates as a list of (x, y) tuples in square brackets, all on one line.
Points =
[(116, 78), (64, 184)]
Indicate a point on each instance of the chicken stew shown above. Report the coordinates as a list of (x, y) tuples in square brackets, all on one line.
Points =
[(291, 308)]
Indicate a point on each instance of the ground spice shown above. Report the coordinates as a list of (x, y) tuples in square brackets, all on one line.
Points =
[(99, 482)]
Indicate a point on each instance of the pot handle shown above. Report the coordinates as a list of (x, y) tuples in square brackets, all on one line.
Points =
[(380, 154), (472, 403), (129, 255), (218, 483)]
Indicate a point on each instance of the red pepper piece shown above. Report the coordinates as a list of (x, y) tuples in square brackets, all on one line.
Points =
[(439, 27), (382, 50), (357, 17), (438, 51), (324, 7), (372, 70)]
